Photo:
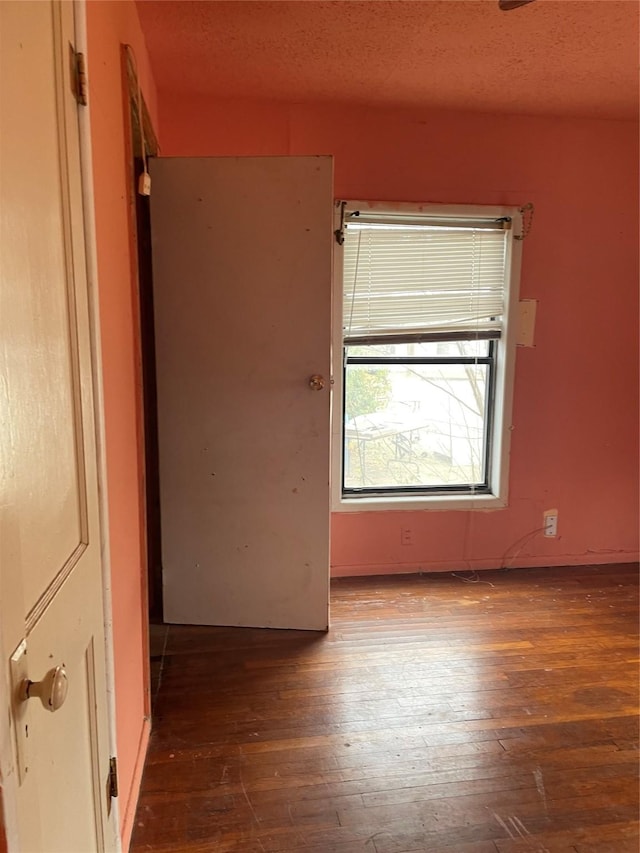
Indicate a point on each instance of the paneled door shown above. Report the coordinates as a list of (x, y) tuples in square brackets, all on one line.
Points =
[(242, 291), (56, 752)]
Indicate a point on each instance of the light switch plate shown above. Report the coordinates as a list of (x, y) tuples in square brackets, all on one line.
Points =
[(526, 322)]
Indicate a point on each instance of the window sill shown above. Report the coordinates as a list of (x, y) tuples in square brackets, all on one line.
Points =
[(420, 502)]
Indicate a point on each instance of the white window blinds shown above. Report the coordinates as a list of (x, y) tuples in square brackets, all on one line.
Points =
[(419, 276)]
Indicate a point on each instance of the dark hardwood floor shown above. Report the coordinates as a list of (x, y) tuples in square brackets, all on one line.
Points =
[(437, 715)]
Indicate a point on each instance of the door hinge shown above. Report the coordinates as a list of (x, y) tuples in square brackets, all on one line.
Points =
[(78, 76), (112, 783)]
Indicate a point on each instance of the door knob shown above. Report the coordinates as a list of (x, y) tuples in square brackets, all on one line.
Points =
[(316, 382), (52, 690)]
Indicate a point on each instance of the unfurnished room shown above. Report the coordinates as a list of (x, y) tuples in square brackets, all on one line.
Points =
[(320, 426)]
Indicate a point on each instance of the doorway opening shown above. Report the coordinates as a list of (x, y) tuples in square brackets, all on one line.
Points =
[(143, 143)]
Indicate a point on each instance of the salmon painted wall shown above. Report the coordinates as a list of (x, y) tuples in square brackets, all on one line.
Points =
[(3, 833), (575, 437), (108, 26)]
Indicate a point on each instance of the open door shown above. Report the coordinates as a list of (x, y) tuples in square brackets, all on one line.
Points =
[(242, 292), (55, 758)]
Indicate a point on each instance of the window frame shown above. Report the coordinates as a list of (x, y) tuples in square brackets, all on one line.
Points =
[(500, 425), (407, 491)]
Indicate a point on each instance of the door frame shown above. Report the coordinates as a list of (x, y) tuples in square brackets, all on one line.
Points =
[(8, 776), (136, 116), (86, 170)]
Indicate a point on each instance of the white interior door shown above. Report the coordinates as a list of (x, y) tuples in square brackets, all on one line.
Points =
[(242, 291), (56, 765)]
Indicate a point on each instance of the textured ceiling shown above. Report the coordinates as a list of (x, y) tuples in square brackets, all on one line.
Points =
[(556, 57)]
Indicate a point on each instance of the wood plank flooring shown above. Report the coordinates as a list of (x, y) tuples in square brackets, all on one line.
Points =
[(438, 714)]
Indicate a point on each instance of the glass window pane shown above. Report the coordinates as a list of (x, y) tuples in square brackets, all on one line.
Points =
[(414, 425), (432, 349)]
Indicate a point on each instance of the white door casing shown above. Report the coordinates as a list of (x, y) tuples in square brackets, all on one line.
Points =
[(50, 557), (242, 293)]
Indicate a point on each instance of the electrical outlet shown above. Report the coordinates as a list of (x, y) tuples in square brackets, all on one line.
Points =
[(406, 536), (550, 522)]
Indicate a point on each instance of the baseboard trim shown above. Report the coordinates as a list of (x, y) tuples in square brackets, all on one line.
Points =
[(486, 564)]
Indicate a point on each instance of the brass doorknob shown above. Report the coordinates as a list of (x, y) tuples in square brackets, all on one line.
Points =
[(52, 690), (316, 382)]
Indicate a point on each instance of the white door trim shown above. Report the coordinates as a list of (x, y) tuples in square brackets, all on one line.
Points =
[(86, 169), (8, 771)]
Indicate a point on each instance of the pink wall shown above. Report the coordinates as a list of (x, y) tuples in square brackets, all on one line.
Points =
[(109, 25), (575, 442), (3, 833)]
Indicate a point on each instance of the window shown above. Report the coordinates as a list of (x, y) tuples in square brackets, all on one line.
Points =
[(424, 314)]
